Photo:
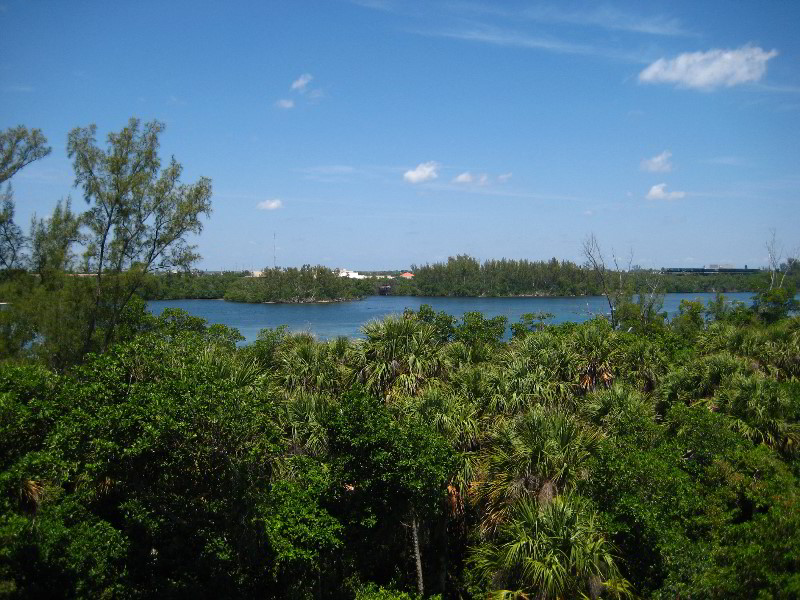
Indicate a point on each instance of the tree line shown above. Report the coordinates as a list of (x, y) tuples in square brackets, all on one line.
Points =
[(306, 284), (464, 275), (459, 276)]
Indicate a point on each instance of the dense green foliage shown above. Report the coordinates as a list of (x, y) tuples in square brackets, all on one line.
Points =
[(306, 284), (465, 276), (430, 457), (178, 286)]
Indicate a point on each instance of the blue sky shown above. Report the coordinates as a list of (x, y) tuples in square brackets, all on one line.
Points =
[(378, 134)]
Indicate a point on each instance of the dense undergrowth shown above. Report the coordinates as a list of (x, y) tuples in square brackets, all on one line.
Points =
[(429, 458)]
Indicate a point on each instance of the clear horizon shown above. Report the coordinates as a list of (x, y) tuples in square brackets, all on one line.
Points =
[(374, 134)]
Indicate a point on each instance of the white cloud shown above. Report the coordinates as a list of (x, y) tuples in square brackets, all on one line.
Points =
[(302, 82), (273, 204), (658, 164), (285, 103), (426, 171), (482, 179), (659, 192), (712, 69)]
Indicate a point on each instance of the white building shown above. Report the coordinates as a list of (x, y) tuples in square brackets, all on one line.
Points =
[(350, 274)]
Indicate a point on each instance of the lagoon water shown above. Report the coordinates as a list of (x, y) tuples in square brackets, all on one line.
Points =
[(330, 320)]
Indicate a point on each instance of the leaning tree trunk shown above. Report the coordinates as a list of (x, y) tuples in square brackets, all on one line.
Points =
[(417, 555)]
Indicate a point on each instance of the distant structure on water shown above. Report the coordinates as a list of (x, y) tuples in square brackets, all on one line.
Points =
[(711, 270)]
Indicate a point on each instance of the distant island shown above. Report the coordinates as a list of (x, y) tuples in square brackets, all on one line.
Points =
[(460, 276)]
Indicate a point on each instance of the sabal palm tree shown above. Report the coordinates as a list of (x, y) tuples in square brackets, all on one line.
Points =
[(701, 378), (619, 410), (595, 342), (761, 411), (306, 364), (458, 419), (540, 454), (541, 368), (399, 355), (551, 551), (643, 362), (301, 416)]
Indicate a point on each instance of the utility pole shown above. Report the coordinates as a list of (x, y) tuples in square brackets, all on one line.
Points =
[(274, 259)]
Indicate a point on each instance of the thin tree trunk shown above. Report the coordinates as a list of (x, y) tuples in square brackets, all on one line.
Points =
[(442, 535), (417, 555)]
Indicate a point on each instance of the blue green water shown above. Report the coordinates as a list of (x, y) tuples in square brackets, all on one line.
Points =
[(327, 321)]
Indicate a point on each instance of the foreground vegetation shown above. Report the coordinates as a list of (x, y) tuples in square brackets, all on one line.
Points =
[(428, 458), (151, 457)]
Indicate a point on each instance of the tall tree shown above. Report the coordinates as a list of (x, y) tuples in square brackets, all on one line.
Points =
[(51, 240), (139, 218), (12, 240), (20, 147), (611, 282)]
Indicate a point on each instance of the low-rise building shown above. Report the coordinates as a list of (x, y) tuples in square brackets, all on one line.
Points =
[(350, 274)]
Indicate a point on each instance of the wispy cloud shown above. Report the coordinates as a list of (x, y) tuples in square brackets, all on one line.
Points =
[(329, 170), (18, 88), (426, 171), (729, 161), (609, 18), (273, 204), (657, 164), (782, 89), (499, 36), (603, 17), (659, 192), (467, 178), (301, 83), (301, 88), (385, 5), (712, 69), (502, 37), (330, 173), (174, 100), (499, 192)]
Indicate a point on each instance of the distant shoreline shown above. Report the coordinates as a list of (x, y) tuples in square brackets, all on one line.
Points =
[(483, 296)]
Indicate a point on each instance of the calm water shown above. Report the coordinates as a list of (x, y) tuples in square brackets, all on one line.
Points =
[(346, 318)]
